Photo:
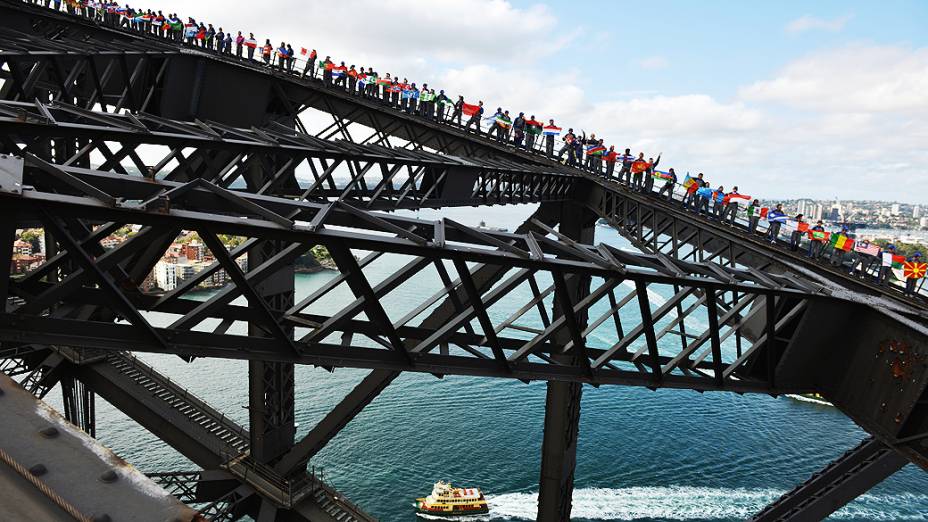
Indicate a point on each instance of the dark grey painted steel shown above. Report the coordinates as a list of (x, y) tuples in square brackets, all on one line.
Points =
[(562, 400), (851, 475)]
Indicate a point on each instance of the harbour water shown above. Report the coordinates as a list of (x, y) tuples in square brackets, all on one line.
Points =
[(643, 455)]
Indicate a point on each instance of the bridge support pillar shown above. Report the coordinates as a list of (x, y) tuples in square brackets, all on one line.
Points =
[(271, 385), (562, 404)]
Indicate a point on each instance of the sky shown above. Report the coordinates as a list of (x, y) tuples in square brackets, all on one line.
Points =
[(823, 99)]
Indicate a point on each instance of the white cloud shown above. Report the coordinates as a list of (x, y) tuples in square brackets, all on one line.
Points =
[(847, 122), (402, 36), (857, 78), (653, 63), (810, 23)]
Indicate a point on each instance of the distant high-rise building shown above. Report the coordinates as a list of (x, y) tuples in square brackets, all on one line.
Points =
[(916, 212), (804, 207), (818, 212), (895, 209), (923, 222)]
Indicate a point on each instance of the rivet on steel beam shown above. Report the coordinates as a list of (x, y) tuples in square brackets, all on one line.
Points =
[(1, 392), (38, 470), (109, 476), (50, 432), (102, 517)]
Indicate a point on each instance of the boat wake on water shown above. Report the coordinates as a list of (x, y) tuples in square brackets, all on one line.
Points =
[(686, 503), (813, 400)]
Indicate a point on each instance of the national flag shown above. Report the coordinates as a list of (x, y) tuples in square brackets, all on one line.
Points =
[(893, 260), (776, 219), (251, 43), (729, 197), (533, 127), (763, 212), (175, 25), (871, 249), (841, 242), (503, 121), (338, 72), (469, 110), (818, 235), (661, 175), (384, 81), (551, 130), (304, 51), (595, 150), (688, 181), (639, 166), (914, 269)]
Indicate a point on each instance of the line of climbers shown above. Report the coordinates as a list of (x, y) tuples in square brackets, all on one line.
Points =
[(589, 153)]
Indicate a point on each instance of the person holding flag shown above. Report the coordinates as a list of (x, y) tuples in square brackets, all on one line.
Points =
[(886, 256), (775, 219), (731, 206), (518, 130), (718, 202), (551, 131), (310, 66), (201, 35), (610, 158), (327, 66), (352, 79), (639, 166), (503, 124), (413, 98), (532, 131), (568, 147), (282, 56), (251, 44), (266, 52), (625, 174), (176, 28), (754, 211), (440, 104), (816, 240), (457, 110), (588, 144), (340, 74), (913, 270), (649, 174), (475, 111), (669, 181), (191, 31), (425, 101), (841, 244), (704, 195), (798, 229)]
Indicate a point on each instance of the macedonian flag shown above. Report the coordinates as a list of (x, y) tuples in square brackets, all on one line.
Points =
[(914, 270)]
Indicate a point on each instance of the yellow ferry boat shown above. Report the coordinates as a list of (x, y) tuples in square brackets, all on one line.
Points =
[(447, 500)]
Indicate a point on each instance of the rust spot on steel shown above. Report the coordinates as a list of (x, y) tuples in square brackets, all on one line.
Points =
[(904, 358)]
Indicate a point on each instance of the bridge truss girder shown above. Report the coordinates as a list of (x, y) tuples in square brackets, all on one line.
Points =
[(133, 81)]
